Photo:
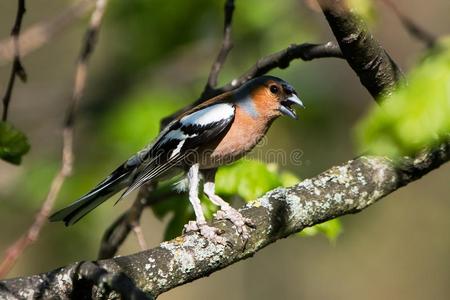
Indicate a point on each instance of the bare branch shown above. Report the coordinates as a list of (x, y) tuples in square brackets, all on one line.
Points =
[(377, 71), (345, 189), (283, 58), (227, 44), (280, 59), (14, 252), (39, 34), (412, 27), (17, 67), (118, 231)]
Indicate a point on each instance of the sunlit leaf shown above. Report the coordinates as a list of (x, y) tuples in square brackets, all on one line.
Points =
[(13, 143), (248, 179), (415, 116)]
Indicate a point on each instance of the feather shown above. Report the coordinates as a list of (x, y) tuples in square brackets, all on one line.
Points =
[(185, 136), (104, 190)]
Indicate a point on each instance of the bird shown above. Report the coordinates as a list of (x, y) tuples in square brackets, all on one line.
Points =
[(217, 132)]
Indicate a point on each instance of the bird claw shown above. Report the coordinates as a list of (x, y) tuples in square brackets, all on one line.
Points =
[(210, 233), (241, 223)]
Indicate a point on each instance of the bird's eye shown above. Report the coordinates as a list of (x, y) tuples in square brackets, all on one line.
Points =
[(273, 89)]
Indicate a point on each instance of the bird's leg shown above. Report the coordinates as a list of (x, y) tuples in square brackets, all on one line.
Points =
[(199, 225), (226, 212)]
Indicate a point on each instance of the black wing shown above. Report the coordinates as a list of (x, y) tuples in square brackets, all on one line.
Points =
[(181, 138)]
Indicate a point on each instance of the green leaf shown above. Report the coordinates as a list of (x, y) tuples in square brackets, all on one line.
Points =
[(13, 143), (416, 116), (331, 229), (250, 179)]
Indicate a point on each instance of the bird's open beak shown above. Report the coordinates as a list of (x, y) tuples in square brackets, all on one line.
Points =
[(286, 109)]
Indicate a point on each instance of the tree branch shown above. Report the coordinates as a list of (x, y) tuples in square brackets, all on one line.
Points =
[(90, 274), (377, 71), (16, 250), (283, 58), (280, 59), (17, 67), (341, 190)]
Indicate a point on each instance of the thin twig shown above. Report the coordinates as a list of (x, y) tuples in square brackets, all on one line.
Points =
[(414, 29), (283, 58), (40, 33), (118, 231), (15, 251), (137, 229), (17, 67), (227, 44)]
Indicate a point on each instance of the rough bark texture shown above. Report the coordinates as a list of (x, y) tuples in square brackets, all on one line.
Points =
[(341, 190), (377, 71)]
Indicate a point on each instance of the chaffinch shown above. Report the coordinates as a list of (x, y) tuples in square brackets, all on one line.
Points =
[(216, 132)]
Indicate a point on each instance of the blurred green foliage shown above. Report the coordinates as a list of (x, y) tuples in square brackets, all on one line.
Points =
[(331, 229), (148, 30), (35, 183), (135, 121), (417, 115), (13, 143)]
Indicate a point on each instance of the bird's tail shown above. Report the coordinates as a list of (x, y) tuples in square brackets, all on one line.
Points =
[(115, 182)]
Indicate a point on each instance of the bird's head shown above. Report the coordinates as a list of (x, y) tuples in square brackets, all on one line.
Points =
[(273, 95)]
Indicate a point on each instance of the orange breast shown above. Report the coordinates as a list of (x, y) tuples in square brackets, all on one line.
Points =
[(243, 135)]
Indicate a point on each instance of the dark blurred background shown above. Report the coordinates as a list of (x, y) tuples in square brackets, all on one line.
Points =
[(153, 57)]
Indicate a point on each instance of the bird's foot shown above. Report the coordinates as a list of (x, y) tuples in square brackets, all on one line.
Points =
[(210, 233), (241, 223)]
